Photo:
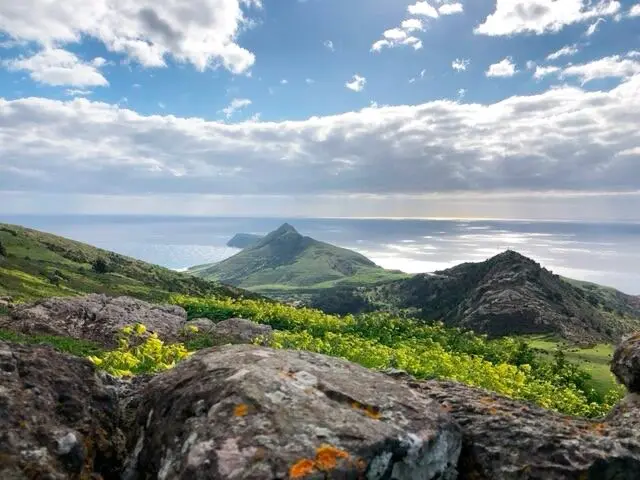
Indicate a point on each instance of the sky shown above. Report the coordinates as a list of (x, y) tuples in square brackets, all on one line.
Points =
[(360, 108)]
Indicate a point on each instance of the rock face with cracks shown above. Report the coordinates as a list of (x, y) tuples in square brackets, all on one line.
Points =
[(58, 420), (97, 318), (243, 411)]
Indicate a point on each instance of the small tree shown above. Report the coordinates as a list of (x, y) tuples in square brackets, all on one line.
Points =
[(3, 250), (100, 265)]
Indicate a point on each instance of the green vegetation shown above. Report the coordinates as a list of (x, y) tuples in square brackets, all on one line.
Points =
[(285, 261), (508, 366), (594, 360), (137, 354), (79, 348), (244, 240), (38, 265)]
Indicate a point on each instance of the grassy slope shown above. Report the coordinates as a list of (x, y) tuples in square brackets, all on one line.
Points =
[(594, 359), (41, 265), (286, 261)]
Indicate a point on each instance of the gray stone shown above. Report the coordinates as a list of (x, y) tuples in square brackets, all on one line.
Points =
[(204, 325), (239, 330), (244, 411), (97, 318), (58, 420), (505, 439), (625, 364)]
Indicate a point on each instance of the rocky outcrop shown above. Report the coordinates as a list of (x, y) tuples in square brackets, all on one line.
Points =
[(97, 318), (239, 330), (625, 364), (58, 420), (508, 440), (250, 412)]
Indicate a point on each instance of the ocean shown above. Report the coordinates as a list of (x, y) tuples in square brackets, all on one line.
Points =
[(605, 253)]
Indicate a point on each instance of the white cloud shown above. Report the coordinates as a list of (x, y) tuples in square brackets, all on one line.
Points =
[(77, 92), (356, 84), (504, 68), (423, 72), (541, 16), (460, 64), (432, 148), (567, 50), (423, 8), (450, 8), (203, 33), (395, 37), (635, 11), (412, 25), (162, 105), (329, 45), (593, 28), (542, 71), (633, 54), (235, 105), (608, 67), (461, 93), (284, 81), (309, 81), (60, 67)]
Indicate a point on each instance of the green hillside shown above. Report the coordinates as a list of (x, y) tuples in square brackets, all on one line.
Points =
[(506, 295), (285, 260), (34, 264)]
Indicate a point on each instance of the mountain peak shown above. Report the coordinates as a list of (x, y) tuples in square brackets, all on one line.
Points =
[(285, 228)]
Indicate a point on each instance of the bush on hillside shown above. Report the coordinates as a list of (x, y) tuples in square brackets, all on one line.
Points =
[(3, 250), (100, 265)]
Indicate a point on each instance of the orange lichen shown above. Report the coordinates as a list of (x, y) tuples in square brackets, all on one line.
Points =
[(241, 410), (369, 410), (301, 468), (327, 457)]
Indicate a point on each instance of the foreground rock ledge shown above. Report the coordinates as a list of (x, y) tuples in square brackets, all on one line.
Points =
[(250, 412), (58, 420)]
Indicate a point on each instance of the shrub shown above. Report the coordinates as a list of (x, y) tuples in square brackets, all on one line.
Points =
[(100, 265), (137, 353), (3, 250)]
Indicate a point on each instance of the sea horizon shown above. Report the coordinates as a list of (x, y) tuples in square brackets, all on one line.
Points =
[(603, 252)]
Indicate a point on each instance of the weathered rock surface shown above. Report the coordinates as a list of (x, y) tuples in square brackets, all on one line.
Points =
[(505, 439), (244, 411), (97, 318), (58, 421), (239, 330), (204, 325), (625, 364)]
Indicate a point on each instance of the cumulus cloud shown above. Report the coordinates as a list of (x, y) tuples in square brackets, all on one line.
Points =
[(635, 11), (235, 105), (423, 8), (57, 67), (356, 84), (567, 50), (614, 66), (460, 64), (201, 32), (590, 144), (77, 92), (542, 16), (504, 68), (400, 36), (542, 71), (450, 8)]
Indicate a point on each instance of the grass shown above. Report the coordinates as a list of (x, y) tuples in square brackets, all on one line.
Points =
[(79, 348), (594, 359), (39, 265)]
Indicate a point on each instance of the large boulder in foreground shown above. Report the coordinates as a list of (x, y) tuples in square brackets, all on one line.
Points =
[(245, 411), (625, 364), (57, 418), (505, 439), (97, 318)]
